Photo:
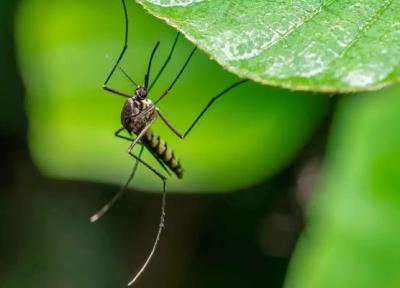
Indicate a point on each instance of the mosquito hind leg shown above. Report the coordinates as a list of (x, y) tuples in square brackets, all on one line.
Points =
[(158, 174), (161, 223), (118, 195), (160, 162)]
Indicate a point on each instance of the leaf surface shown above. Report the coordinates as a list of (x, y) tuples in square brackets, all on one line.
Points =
[(326, 46)]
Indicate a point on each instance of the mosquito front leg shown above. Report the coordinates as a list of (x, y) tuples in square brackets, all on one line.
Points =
[(183, 135), (121, 55), (176, 78), (147, 75), (172, 84), (165, 63)]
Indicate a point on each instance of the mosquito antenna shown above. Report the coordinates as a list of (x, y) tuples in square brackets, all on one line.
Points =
[(165, 63), (117, 196), (123, 48), (146, 77), (177, 76), (124, 72), (155, 244), (127, 75)]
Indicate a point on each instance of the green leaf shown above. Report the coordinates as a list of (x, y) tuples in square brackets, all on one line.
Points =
[(353, 235), (328, 46)]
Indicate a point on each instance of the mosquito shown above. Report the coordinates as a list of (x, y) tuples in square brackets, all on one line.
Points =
[(137, 116)]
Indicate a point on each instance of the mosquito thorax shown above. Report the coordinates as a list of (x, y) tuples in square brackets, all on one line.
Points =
[(137, 112), (141, 92)]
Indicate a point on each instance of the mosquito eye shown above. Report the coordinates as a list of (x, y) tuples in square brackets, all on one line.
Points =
[(141, 92)]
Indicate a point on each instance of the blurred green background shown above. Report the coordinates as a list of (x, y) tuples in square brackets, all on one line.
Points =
[(61, 163)]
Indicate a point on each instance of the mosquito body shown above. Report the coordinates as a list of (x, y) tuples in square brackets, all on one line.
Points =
[(137, 116), (138, 112)]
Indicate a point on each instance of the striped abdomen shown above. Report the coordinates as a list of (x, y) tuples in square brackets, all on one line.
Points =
[(160, 148)]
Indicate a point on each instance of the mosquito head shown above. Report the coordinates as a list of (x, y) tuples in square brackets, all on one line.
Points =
[(141, 92)]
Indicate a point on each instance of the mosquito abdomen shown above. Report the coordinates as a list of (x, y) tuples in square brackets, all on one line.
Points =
[(160, 148)]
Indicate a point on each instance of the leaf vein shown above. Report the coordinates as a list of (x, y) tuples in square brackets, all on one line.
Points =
[(312, 15), (375, 17)]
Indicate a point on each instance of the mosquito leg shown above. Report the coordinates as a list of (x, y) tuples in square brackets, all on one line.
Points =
[(177, 77), (210, 103), (118, 195), (139, 136), (162, 177), (146, 77), (105, 84), (160, 225), (125, 46), (114, 91), (159, 231), (172, 84), (117, 134), (165, 63), (159, 162), (182, 136), (172, 128)]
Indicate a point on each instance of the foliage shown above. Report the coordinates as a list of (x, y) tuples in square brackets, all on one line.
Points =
[(335, 46), (354, 228)]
